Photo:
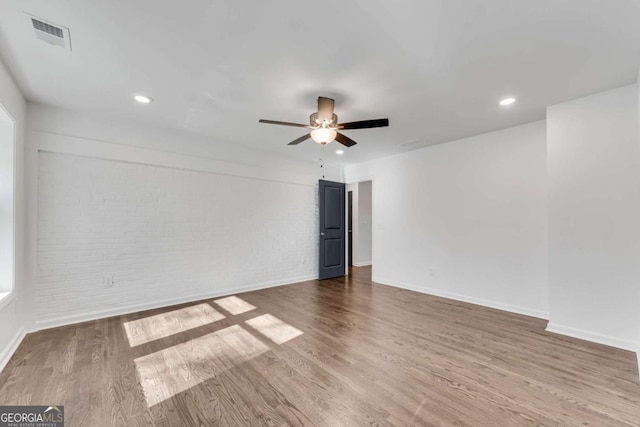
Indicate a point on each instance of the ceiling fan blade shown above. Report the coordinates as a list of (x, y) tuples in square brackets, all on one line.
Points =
[(299, 140), (365, 124), (275, 122), (325, 108), (345, 140)]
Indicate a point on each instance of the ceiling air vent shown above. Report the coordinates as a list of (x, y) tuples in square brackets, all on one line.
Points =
[(51, 33)]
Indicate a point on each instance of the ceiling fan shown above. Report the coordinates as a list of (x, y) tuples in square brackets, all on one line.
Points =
[(324, 125)]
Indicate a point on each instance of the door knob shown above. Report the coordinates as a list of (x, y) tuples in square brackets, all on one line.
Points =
[(322, 234)]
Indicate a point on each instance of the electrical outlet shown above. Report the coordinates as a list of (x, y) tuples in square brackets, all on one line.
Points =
[(108, 281)]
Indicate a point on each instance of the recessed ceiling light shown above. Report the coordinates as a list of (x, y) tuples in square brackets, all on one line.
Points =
[(142, 99), (507, 101), (339, 152)]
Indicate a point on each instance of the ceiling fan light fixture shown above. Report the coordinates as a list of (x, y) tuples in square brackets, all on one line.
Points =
[(323, 135)]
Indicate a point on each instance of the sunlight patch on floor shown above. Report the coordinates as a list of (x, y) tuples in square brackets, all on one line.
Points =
[(234, 305), (273, 328), (162, 325), (165, 373)]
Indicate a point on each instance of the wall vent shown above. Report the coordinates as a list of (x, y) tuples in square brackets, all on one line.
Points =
[(51, 33), (43, 26)]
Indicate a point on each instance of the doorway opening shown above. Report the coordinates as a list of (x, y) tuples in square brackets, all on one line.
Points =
[(359, 221)]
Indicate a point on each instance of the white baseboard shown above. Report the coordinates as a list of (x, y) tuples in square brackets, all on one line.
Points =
[(117, 311), (464, 298), (362, 264), (6, 298), (6, 354), (592, 336)]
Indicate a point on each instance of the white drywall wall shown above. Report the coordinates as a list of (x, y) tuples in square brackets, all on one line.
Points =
[(363, 255), (466, 219), (11, 310), (594, 217)]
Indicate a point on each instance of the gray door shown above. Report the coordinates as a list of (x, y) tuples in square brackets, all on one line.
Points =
[(332, 229)]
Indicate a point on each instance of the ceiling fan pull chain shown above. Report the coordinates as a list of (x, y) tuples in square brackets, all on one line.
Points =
[(321, 161)]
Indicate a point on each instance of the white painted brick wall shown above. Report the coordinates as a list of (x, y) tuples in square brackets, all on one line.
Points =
[(162, 234)]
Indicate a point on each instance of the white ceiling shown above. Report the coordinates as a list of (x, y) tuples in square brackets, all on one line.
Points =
[(436, 68)]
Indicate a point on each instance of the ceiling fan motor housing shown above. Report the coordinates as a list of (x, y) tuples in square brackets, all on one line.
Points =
[(314, 120)]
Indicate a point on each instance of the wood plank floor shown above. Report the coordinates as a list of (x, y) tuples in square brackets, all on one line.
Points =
[(341, 352)]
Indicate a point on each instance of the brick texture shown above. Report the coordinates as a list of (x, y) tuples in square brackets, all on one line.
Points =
[(161, 233)]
